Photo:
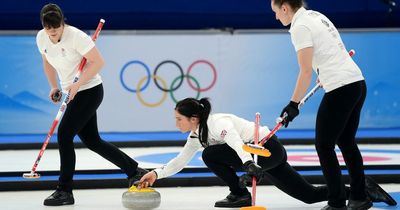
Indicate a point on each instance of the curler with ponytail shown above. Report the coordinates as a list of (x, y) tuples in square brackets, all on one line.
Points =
[(191, 107), (295, 4), (51, 16)]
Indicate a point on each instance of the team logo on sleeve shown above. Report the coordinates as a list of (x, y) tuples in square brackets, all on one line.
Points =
[(325, 23), (223, 134)]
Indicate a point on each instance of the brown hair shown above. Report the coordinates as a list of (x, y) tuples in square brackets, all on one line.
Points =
[(51, 16), (295, 4)]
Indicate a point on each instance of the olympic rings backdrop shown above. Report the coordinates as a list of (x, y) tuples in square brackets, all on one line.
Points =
[(162, 84), (242, 73)]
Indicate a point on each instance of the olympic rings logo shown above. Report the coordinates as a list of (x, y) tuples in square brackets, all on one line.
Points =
[(161, 84)]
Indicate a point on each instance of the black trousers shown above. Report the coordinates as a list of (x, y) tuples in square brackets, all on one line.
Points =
[(337, 123), (223, 161), (80, 119)]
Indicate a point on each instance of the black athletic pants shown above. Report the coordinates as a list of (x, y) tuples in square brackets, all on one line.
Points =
[(80, 119), (223, 161), (337, 123)]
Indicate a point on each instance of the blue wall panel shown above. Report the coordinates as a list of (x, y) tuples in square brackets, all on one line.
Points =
[(189, 14)]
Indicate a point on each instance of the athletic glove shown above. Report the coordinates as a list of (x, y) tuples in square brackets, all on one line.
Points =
[(252, 169), (291, 110), (57, 95)]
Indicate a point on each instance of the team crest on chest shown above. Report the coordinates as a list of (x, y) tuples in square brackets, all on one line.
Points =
[(63, 53)]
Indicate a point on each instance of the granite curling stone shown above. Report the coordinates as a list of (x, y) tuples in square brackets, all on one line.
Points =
[(141, 199)]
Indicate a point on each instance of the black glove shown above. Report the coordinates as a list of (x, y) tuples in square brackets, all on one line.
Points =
[(56, 97), (252, 169), (291, 110)]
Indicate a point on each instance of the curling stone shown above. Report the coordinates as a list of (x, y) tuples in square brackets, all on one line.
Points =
[(141, 199)]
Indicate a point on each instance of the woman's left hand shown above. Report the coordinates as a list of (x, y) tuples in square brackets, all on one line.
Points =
[(73, 89)]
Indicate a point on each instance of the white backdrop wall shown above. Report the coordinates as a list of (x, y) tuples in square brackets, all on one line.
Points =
[(245, 67), (254, 72)]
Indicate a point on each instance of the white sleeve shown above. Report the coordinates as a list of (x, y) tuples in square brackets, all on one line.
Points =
[(232, 138), (82, 42), (301, 37), (181, 160), (39, 41)]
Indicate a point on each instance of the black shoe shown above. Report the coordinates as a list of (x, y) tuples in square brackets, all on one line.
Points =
[(359, 204), (234, 201), (59, 198), (328, 207), (139, 173), (376, 193)]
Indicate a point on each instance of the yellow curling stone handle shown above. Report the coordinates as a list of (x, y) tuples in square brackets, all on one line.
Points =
[(135, 189)]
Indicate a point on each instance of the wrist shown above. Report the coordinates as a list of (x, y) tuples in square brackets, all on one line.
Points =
[(79, 82), (294, 104), (155, 174), (247, 163)]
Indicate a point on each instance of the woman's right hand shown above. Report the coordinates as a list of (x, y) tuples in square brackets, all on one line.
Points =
[(147, 180), (55, 95)]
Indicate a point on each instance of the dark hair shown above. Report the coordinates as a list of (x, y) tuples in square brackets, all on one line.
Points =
[(51, 16), (295, 4), (191, 107)]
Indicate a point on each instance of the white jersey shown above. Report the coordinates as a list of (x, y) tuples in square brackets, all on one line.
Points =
[(222, 128), (66, 55), (331, 61)]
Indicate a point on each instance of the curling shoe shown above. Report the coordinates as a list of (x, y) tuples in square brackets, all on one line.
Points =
[(359, 204), (376, 193), (59, 198), (234, 201), (139, 173)]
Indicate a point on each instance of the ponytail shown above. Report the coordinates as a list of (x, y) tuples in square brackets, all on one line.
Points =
[(203, 128)]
